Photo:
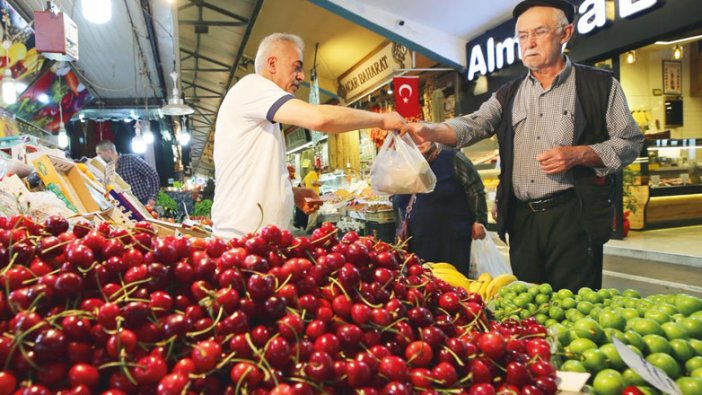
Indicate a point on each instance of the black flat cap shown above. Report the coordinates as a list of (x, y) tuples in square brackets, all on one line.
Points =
[(562, 5)]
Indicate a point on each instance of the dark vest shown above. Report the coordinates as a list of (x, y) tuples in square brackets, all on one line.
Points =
[(592, 87)]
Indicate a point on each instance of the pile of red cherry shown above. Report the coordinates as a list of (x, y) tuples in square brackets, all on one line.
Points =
[(99, 310)]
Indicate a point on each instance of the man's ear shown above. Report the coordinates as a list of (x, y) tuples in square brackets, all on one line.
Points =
[(272, 63), (568, 31)]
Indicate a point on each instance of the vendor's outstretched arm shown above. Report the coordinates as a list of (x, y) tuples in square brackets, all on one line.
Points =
[(336, 119)]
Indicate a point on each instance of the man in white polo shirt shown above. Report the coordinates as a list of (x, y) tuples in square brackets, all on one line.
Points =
[(252, 185)]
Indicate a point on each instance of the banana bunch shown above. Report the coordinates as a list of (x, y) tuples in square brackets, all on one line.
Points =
[(449, 273), (485, 285)]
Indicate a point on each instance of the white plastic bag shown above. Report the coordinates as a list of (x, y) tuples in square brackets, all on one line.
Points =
[(400, 168), (486, 258)]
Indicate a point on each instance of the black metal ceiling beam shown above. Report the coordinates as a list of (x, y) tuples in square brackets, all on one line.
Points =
[(197, 46), (203, 108), (211, 23), (201, 121), (220, 10), (149, 22), (203, 97), (203, 57), (207, 70), (198, 86), (244, 40), (239, 55)]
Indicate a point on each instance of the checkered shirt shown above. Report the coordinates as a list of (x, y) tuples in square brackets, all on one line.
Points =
[(140, 176)]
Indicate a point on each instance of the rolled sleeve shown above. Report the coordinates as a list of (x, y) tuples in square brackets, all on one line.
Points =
[(478, 125), (625, 137)]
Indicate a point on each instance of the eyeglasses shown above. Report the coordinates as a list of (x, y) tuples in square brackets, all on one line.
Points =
[(538, 34)]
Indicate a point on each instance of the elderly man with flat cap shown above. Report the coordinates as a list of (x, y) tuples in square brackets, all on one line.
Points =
[(563, 130)]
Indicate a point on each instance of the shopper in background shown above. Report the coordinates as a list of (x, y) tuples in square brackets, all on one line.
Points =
[(440, 225), (562, 129), (311, 181), (141, 177), (253, 188)]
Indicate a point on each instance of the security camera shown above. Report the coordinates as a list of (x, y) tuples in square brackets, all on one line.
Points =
[(400, 22)]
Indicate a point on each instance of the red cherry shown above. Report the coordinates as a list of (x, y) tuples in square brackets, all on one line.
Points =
[(83, 374), (492, 344), (205, 355), (393, 368), (172, 384), (482, 389), (419, 353)]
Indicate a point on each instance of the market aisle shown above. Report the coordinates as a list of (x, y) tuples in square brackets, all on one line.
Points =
[(648, 276)]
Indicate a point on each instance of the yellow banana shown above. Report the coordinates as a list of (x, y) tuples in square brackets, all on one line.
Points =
[(485, 280), (499, 282), (443, 265), (454, 278), (475, 286)]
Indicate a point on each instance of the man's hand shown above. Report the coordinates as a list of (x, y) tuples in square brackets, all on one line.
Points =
[(394, 121), (493, 211), (561, 159), (478, 231), (418, 131), (307, 200), (151, 205)]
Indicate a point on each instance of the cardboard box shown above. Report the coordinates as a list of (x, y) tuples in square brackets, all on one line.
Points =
[(97, 167), (164, 228), (63, 173)]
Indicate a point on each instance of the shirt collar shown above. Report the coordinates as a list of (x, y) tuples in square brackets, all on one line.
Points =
[(561, 77)]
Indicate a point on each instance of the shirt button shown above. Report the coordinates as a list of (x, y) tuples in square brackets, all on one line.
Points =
[(541, 114), (538, 137), (532, 181)]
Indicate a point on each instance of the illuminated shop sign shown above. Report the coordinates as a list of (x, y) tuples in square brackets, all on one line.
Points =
[(501, 49)]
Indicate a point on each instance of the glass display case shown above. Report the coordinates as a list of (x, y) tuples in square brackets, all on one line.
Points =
[(663, 187)]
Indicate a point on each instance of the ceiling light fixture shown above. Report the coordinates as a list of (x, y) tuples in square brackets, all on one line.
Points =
[(97, 11), (176, 106), (9, 90), (631, 57), (147, 133), (678, 52), (62, 138), (184, 136), (138, 143)]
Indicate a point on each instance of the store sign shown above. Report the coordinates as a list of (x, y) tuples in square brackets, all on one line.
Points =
[(373, 71), (499, 48)]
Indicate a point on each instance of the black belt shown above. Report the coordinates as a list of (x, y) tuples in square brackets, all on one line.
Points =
[(549, 202)]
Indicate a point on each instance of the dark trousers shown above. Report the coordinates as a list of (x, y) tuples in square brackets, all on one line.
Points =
[(552, 247)]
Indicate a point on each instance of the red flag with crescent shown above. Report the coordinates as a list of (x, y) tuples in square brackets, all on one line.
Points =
[(407, 96)]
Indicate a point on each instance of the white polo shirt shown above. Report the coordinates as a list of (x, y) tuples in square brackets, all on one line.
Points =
[(249, 159)]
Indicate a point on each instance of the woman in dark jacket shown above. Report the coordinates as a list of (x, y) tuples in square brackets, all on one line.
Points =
[(441, 225)]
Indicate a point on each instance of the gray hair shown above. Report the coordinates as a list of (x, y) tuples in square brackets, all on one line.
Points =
[(267, 43), (105, 145)]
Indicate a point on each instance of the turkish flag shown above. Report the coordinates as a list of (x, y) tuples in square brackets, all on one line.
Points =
[(407, 96)]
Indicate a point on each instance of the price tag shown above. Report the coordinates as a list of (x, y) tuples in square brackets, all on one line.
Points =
[(571, 382), (653, 375)]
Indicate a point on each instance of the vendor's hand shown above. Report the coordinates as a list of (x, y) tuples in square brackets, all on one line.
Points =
[(558, 160), (478, 231), (493, 211), (151, 205), (418, 131), (394, 121), (306, 200)]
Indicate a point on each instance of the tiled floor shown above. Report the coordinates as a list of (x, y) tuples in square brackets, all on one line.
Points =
[(674, 245)]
